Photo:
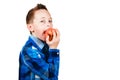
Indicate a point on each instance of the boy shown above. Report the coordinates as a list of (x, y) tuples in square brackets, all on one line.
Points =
[(39, 57)]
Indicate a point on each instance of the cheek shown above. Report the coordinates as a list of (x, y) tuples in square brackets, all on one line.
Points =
[(38, 32)]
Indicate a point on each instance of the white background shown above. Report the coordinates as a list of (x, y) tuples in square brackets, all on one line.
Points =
[(90, 37)]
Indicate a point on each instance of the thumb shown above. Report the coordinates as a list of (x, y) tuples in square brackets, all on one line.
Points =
[(47, 39)]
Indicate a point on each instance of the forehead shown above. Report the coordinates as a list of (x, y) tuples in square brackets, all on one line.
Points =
[(42, 13)]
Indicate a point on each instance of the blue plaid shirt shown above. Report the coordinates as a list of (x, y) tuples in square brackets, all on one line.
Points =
[(37, 61)]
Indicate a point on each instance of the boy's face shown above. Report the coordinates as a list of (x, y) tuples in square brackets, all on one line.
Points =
[(41, 22)]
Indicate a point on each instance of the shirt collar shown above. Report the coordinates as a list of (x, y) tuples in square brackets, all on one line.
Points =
[(39, 42)]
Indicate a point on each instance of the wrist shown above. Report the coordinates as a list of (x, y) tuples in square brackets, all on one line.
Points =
[(54, 50)]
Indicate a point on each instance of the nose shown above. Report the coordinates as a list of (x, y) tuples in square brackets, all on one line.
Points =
[(48, 24)]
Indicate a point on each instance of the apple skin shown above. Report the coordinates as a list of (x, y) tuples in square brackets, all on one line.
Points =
[(49, 32)]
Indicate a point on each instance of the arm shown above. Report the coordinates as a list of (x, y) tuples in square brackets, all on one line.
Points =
[(54, 54)]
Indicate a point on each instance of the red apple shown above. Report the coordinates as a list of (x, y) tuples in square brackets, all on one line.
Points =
[(49, 32)]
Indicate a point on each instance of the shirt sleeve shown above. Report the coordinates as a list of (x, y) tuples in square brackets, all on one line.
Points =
[(37, 62), (53, 60)]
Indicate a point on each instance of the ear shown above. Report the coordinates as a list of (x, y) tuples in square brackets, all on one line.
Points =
[(30, 27)]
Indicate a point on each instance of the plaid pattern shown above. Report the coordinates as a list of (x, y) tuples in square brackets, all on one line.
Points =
[(37, 61)]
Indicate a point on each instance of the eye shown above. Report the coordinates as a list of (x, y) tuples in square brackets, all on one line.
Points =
[(42, 21), (50, 21)]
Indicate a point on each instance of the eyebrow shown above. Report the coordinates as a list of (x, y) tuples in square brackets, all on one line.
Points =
[(48, 18)]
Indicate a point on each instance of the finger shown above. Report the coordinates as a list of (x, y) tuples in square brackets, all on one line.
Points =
[(58, 33), (54, 34), (47, 38)]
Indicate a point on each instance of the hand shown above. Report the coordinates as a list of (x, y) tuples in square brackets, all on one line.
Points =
[(53, 38)]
